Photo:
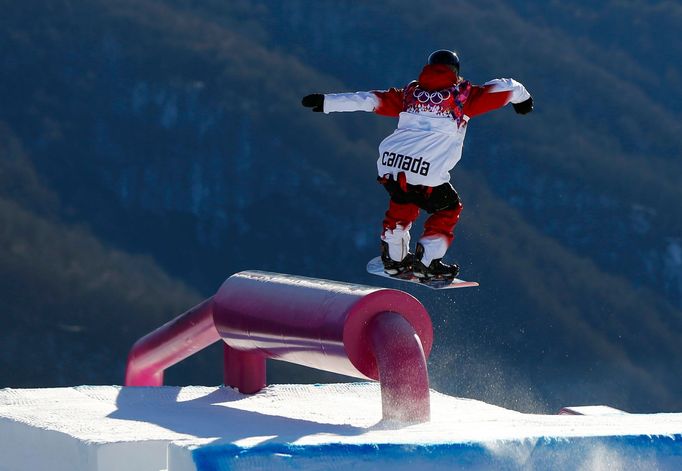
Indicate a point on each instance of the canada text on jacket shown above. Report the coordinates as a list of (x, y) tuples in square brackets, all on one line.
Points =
[(406, 163)]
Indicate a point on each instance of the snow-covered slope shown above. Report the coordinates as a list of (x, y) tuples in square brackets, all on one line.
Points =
[(94, 428)]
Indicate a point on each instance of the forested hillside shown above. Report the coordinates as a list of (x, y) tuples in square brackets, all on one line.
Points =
[(173, 129), (70, 306)]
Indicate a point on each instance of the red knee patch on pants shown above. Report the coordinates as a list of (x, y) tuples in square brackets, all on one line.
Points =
[(400, 214), (442, 223)]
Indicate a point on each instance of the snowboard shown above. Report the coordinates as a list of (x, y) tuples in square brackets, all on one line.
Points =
[(376, 267)]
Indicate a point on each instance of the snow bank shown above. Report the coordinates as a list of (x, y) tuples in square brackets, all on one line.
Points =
[(603, 453), (95, 428)]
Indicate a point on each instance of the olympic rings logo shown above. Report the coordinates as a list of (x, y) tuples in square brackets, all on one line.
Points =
[(434, 97)]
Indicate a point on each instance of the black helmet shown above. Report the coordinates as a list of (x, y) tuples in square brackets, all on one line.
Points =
[(443, 56)]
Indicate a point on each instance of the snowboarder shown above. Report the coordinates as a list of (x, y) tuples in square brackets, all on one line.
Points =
[(415, 161)]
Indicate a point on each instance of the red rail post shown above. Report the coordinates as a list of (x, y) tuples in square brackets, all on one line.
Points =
[(355, 330), (170, 344)]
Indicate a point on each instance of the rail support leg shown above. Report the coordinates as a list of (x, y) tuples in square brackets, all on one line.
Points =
[(402, 369), (244, 370)]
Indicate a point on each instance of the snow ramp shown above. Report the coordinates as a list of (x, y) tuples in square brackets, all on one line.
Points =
[(333, 426)]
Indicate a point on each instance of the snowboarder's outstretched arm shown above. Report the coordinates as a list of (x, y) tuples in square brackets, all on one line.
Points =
[(387, 103), (487, 97), (496, 94)]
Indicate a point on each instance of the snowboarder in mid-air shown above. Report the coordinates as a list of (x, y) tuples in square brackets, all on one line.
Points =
[(415, 161)]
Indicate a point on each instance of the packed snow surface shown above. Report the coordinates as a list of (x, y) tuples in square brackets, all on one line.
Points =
[(295, 426)]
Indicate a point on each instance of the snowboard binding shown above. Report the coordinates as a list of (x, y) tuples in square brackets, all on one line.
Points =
[(435, 271), (394, 268)]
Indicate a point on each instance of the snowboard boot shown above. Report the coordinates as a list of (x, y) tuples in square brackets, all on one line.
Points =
[(393, 267), (436, 270)]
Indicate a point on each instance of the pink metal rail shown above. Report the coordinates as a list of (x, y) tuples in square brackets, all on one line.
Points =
[(360, 331)]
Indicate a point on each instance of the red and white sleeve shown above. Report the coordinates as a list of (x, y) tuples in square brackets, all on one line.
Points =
[(493, 95), (387, 103)]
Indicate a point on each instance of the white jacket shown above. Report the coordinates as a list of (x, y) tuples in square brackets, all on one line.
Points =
[(432, 122)]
